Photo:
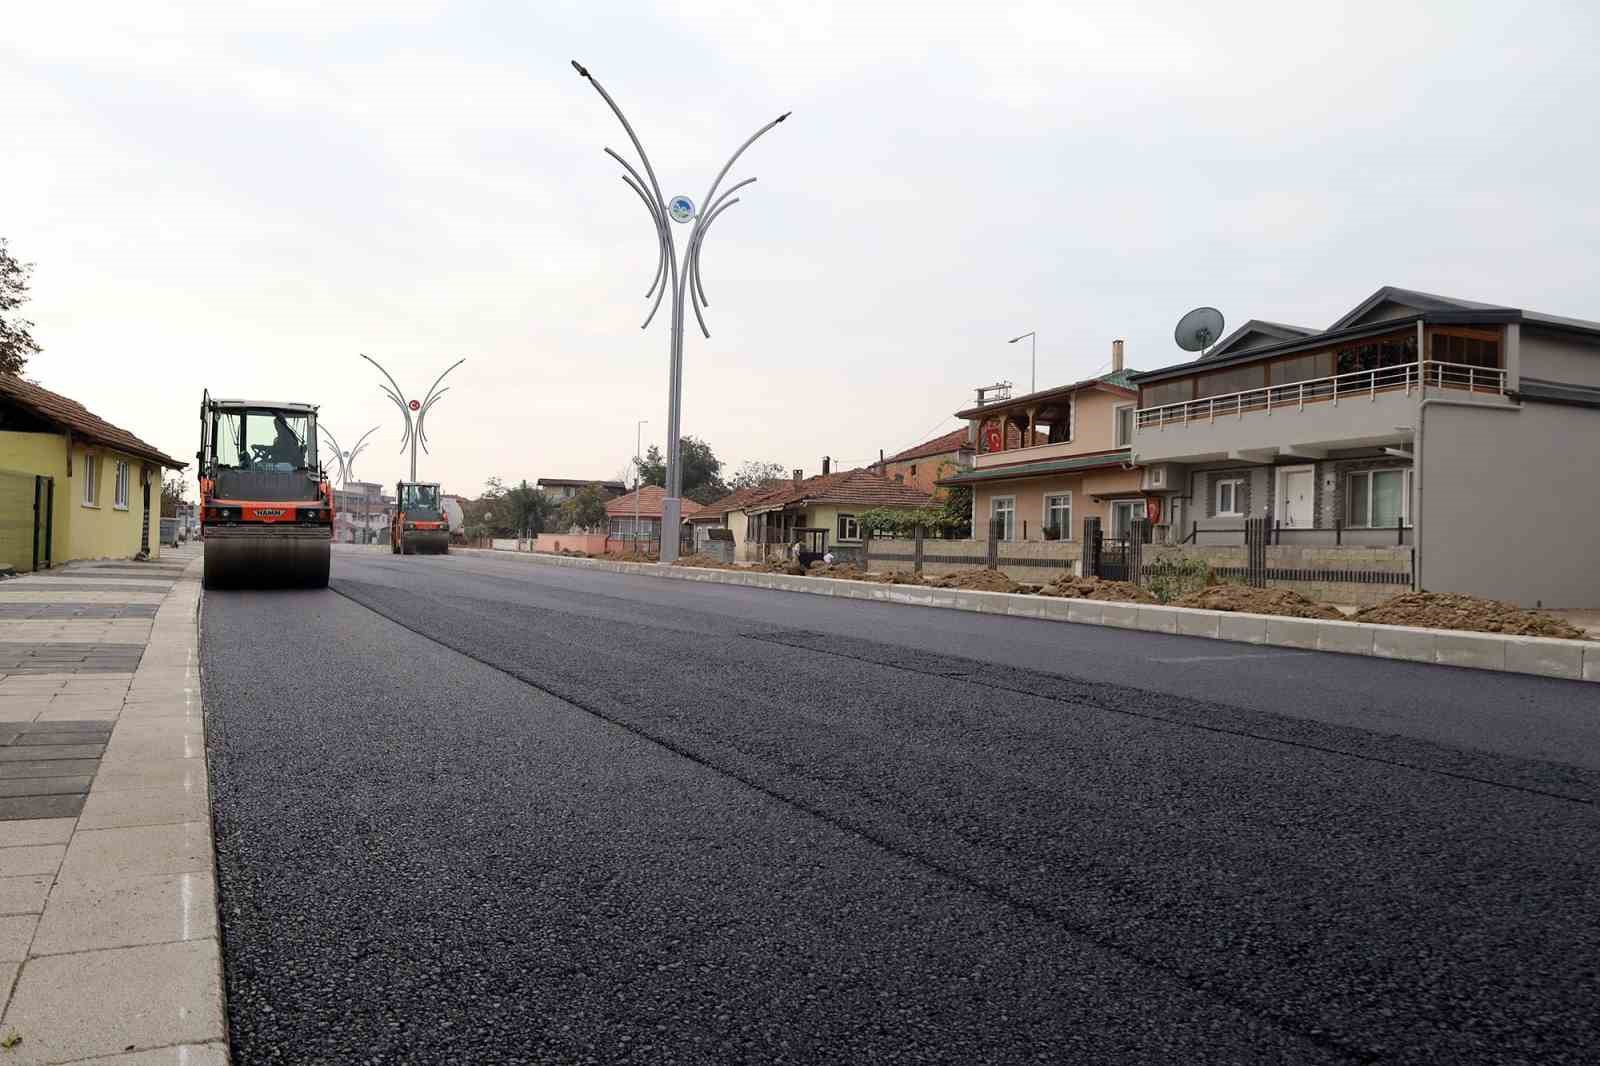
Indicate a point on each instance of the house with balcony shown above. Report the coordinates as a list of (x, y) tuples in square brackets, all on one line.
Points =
[(1078, 465), (1463, 430)]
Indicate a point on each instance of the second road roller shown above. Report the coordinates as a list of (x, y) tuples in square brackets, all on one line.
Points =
[(420, 523), (266, 508)]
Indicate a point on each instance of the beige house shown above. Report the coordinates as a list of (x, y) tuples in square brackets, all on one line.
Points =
[(1079, 467)]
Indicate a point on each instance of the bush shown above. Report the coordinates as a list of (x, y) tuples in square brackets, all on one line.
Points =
[(1176, 578), (1051, 532)]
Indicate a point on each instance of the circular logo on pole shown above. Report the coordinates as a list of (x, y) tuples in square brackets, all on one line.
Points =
[(681, 208), (415, 406)]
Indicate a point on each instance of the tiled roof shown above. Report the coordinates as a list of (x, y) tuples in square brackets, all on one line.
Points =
[(953, 441), (736, 500), (1040, 467), (650, 498), (84, 424), (861, 488)]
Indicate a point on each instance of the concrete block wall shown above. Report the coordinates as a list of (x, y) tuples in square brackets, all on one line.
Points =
[(1034, 562)]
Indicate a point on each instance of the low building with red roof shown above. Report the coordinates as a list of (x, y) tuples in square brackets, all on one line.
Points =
[(80, 487), (824, 511), (643, 505)]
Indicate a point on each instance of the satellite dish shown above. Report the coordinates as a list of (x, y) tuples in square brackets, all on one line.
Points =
[(1199, 329)]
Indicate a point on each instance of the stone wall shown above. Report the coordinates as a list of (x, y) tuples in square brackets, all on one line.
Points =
[(1030, 561), (1358, 575)]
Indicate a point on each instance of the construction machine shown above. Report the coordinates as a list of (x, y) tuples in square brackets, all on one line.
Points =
[(266, 508), (420, 523)]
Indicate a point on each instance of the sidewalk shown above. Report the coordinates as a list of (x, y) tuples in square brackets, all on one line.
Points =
[(108, 922)]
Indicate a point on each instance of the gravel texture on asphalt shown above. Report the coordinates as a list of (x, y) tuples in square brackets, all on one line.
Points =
[(468, 812)]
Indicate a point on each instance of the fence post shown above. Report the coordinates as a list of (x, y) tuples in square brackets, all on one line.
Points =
[(1194, 532), (916, 552), (38, 494), (866, 549), (49, 522), (1255, 540), (1135, 554), (994, 544), (1338, 532), (1399, 529), (1091, 546)]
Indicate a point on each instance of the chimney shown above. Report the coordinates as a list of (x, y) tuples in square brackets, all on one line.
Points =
[(827, 465), (799, 475), (1116, 356)]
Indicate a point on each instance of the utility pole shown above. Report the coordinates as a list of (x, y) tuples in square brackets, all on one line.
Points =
[(638, 478), (678, 209)]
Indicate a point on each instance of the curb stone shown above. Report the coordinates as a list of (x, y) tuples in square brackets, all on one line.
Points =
[(1577, 660)]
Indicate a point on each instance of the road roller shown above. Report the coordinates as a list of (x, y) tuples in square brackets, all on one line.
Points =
[(266, 508), (420, 523)]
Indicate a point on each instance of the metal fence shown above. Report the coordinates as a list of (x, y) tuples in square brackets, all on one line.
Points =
[(27, 525)]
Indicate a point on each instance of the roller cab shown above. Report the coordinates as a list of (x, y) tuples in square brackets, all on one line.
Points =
[(420, 523), (266, 509)]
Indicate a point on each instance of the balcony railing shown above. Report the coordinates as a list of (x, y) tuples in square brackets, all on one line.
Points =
[(1367, 384)]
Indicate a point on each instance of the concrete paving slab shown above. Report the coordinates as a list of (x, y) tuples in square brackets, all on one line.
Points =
[(173, 773), (45, 786), (143, 806), (88, 916), (177, 1055), (37, 831), (32, 859), (78, 1006), (136, 851), (46, 806), (24, 895), (16, 933)]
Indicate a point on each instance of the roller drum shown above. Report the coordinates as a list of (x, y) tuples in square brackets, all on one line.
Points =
[(246, 558)]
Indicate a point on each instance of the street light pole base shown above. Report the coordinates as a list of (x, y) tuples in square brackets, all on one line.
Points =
[(671, 522)]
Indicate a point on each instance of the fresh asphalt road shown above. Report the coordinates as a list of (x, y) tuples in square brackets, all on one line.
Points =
[(474, 809)]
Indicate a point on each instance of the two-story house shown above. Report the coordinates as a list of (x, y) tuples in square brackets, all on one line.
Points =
[(1465, 430), (1079, 464)]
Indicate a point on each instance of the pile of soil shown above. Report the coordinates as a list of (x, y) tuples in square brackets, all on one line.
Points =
[(705, 562), (1258, 601), (980, 580), (843, 572), (1445, 610), (1094, 588), (635, 557)]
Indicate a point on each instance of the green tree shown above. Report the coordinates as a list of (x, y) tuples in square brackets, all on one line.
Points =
[(171, 495), (503, 512), (702, 470), (753, 473), (16, 340), (586, 510)]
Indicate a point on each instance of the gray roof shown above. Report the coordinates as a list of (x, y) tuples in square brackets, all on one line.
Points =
[(1422, 301), (1542, 391), (1276, 330)]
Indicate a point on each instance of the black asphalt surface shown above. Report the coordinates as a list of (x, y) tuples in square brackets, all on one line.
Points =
[(480, 810)]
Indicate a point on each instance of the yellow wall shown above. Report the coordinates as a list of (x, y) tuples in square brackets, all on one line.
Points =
[(79, 531)]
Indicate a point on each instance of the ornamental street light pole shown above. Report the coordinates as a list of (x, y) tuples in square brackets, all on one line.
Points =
[(347, 469), (1033, 349), (414, 432), (678, 209)]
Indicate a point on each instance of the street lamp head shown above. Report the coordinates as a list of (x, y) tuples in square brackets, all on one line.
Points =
[(1020, 337), (785, 115), (577, 66)]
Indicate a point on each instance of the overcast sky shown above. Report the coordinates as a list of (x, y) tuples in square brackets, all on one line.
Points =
[(245, 196)]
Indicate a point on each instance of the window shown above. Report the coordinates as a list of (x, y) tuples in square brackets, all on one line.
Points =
[(1124, 424), (251, 439), (1230, 497), (1379, 498), (849, 529), (1003, 509), (1227, 382), (913, 469), (121, 500), (91, 481), (1167, 392), (1058, 514), (1466, 348), (1123, 514), (1302, 368)]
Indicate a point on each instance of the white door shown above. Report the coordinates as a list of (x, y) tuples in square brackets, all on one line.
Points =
[(1296, 495)]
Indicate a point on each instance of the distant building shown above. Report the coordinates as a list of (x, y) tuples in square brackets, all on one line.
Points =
[(361, 513), (922, 466), (563, 488)]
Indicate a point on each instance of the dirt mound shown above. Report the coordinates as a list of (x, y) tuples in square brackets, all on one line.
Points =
[(1258, 601), (1094, 588), (706, 562), (1445, 610), (844, 572), (634, 557), (979, 580)]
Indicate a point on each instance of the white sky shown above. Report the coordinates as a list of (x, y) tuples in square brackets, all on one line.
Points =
[(244, 196)]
